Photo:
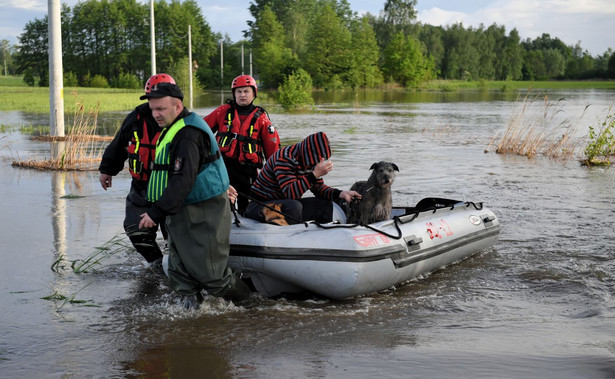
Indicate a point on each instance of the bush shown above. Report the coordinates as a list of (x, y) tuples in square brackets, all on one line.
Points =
[(70, 79), (99, 81), (601, 145), (28, 78), (296, 90), (129, 81)]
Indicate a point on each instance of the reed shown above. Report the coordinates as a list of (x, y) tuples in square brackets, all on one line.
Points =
[(535, 128), (79, 150)]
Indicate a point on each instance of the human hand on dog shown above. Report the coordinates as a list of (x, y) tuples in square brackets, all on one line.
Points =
[(350, 195), (322, 168)]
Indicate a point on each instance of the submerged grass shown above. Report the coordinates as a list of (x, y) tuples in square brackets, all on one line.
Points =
[(115, 245), (535, 129), (71, 299)]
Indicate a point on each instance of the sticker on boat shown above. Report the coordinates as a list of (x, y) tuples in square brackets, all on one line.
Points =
[(375, 239)]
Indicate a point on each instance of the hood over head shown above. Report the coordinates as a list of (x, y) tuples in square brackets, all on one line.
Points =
[(313, 148)]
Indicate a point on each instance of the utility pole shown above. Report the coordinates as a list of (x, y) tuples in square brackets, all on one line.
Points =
[(152, 31), (221, 65), (56, 82), (242, 59), (190, 63)]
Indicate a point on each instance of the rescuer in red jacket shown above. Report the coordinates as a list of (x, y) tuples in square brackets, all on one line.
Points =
[(245, 136)]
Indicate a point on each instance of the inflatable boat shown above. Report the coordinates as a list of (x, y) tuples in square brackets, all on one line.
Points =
[(339, 261)]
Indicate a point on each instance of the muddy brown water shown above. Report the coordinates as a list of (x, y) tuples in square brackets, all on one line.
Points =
[(539, 304)]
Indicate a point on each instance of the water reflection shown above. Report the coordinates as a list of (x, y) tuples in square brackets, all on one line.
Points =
[(58, 212)]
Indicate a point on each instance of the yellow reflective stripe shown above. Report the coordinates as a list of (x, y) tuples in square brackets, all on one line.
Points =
[(134, 162), (250, 136), (137, 144)]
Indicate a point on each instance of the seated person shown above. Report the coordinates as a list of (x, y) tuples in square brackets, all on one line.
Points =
[(288, 174)]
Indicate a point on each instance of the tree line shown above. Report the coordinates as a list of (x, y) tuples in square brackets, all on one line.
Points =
[(107, 43)]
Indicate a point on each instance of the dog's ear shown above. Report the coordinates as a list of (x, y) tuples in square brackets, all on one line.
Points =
[(374, 166), (395, 166)]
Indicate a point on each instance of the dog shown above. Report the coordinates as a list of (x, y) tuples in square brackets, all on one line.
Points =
[(376, 202), (274, 216)]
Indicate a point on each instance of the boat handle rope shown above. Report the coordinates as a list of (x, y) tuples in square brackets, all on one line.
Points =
[(396, 220)]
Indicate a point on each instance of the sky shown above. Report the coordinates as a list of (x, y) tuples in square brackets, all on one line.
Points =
[(590, 22)]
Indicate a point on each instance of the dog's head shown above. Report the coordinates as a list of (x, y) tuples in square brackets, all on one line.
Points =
[(274, 216), (383, 173)]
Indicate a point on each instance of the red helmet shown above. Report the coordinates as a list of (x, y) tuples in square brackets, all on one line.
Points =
[(243, 81), (156, 79)]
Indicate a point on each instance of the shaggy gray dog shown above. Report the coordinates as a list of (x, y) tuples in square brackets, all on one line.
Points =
[(376, 202)]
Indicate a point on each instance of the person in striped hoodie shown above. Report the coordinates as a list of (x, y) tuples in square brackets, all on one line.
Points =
[(288, 174)]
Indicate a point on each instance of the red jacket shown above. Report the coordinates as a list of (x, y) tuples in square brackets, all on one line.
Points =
[(249, 139)]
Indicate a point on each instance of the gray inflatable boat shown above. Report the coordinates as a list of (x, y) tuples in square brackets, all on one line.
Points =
[(339, 261)]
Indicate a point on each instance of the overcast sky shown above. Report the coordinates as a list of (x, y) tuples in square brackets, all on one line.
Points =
[(592, 22)]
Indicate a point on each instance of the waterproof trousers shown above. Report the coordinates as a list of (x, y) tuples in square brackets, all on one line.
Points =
[(144, 240), (199, 247)]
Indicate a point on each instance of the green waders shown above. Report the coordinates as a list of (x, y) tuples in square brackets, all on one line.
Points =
[(199, 247)]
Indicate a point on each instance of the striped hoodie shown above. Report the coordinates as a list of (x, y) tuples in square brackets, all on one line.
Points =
[(288, 172)]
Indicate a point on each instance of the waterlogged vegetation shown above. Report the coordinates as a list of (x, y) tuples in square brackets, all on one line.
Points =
[(117, 244), (535, 129), (600, 149), (70, 299), (77, 151)]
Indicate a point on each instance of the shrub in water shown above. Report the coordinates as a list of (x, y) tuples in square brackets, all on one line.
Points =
[(601, 145), (296, 91)]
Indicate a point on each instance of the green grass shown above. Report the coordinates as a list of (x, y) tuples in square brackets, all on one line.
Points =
[(36, 99), (12, 81)]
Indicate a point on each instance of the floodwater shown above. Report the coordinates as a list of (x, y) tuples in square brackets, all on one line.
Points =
[(538, 305)]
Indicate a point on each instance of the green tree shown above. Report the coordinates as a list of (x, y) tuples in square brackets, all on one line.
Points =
[(365, 71), (405, 62), (7, 53), (610, 71), (511, 58), (172, 22), (432, 38), (400, 14), (33, 55), (461, 57), (329, 59), (273, 60)]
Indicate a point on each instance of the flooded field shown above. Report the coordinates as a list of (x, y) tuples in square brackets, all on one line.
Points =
[(538, 305)]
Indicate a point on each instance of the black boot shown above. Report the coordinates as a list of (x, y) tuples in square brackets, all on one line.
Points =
[(192, 302), (237, 291)]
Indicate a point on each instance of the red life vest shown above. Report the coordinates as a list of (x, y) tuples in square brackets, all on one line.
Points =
[(241, 141), (141, 152)]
